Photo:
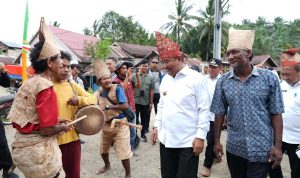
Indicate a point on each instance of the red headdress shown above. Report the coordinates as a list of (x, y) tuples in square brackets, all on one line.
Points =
[(290, 57), (166, 47)]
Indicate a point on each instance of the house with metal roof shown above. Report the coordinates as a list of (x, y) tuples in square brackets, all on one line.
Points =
[(132, 53), (71, 42), (265, 60), (8, 51)]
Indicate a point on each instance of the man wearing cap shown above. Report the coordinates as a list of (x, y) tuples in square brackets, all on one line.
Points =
[(4, 78), (143, 98), (251, 99), (182, 119), (290, 87), (124, 78), (214, 69), (112, 100), (35, 150)]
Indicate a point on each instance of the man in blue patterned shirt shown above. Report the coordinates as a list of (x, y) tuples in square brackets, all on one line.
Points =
[(251, 99)]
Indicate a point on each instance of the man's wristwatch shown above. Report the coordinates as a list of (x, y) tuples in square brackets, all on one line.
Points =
[(106, 107)]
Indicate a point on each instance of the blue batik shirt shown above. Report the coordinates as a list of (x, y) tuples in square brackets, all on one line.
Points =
[(248, 106)]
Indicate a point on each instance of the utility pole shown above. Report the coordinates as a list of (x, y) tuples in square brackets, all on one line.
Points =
[(217, 30)]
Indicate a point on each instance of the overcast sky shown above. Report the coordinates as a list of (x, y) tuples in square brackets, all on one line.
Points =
[(151, 14)]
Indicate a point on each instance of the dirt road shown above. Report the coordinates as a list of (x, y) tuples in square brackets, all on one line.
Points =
[(145, 165)]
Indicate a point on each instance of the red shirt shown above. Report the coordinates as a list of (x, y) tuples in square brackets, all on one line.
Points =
[(47, 110), (129, 92)]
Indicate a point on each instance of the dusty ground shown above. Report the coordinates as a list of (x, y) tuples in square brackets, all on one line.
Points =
[(145, 165)]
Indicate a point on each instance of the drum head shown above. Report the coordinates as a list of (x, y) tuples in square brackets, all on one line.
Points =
[(94, 121)]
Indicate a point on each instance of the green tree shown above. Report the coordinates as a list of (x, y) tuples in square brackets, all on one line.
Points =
[(87, 31), (294, 33), (100, 50), (205, 29), (179, 21), (273, 37), (55, 24), (119, 29)]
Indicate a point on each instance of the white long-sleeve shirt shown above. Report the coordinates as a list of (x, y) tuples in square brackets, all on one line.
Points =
[(78, 81), (291, 115), (183, 109), (211, 85)]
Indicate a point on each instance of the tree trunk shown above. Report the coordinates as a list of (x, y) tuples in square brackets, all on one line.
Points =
[(178, 35)]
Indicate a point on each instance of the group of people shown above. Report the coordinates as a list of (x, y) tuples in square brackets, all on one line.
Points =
[(141, 88), (44, 140), (261, 111), (190, 108)]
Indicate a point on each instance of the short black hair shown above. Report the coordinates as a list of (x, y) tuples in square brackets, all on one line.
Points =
[(65, 55), (75, 66), (39, 65), (113, 59)]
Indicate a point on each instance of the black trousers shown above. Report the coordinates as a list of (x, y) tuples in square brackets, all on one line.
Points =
[(5, 156), (209, 151), (290, 149), (144, 111), (178, 162), (241, 168), (155, 101)]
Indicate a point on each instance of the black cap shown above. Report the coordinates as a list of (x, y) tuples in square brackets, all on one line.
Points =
[(215, 62), (120, 64)]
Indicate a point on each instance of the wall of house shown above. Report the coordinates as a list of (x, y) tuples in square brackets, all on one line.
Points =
[(14, 52)]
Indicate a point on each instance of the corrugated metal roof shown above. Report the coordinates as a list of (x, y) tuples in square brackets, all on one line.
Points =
[(6, 59), (74, 41), (262, 59), (11, 44), (138, 51), (119, 53)]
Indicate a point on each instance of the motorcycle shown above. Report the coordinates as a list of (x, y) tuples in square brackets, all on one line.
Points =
[(5, 106)]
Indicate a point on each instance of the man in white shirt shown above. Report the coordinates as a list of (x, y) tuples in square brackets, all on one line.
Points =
[(290, 87), (182, 119), (156, 76), (214, 69), (75, 72)]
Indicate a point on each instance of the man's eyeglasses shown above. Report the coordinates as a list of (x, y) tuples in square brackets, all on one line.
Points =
[(155, 62)]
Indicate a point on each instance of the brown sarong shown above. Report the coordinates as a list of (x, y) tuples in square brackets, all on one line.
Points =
[(37, 156)]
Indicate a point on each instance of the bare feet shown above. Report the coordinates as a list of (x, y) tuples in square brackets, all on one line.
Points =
[(102, 170)]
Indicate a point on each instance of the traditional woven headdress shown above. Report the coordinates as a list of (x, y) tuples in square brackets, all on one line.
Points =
[(240, 39), (290, 57), (166, 47), (100, 69), (49, 48)]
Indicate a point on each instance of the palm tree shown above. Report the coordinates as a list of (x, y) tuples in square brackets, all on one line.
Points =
[(205, 25), (178, 24), (294, 33)]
